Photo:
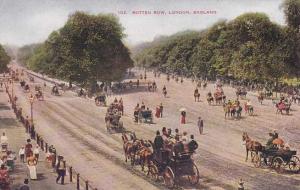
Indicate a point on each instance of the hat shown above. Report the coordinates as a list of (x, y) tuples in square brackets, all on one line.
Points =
[(26, 181)]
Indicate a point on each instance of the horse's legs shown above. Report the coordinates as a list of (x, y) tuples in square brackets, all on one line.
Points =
[(246, 155)]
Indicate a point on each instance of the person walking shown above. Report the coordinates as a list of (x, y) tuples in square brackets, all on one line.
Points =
[(61, 170), (200, 125), (36, 152), (22, 154), (32, 162), (183, 115), (161, 108)]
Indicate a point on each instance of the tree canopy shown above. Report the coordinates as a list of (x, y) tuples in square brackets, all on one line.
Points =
[(4, 60), (88, 48), (248, 47)]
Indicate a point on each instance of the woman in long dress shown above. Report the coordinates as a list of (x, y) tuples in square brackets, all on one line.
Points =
[(31, 161)]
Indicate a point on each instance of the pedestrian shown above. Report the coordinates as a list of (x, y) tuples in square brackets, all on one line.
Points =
[(183, 115), (4, 139), (61, 170), (25, 185), (22, 154), (200, 125), (161, 108), (36, 152), (241, 185), (32, 162)]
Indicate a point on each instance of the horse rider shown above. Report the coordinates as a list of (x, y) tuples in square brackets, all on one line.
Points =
[(115, 100)]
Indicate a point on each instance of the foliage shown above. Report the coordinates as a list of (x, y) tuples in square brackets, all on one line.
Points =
[(4, 60), (249, 47), (291, 9), (86, 49)]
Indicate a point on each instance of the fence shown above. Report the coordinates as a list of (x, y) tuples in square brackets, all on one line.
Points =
[(30, 129)]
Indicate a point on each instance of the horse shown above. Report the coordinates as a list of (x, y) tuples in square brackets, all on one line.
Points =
[(145, 153), (129, 147), (197, 95), (283, 107), (251, 145), (260, 98), (249, 109), (219, 97), (39, 95), (241, 93), (209, 98)]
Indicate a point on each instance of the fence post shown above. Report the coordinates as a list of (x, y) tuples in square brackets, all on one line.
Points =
[(86, 185), (71, 174), (38, 139), (78, 188), (42, 144)]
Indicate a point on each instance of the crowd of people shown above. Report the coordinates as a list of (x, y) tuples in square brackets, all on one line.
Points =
[(176, 144)]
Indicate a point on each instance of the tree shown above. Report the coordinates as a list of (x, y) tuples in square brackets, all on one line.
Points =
[(291, 9), (4, 60), (87, 49)]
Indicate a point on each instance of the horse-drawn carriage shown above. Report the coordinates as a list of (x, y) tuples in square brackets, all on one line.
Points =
[(38, 93), (145, 116), (26, 88), (283, 106), (100, 100), (218, 96), (31, 78), (241, 92), (55, 91), (174, 168), (277, 159), (113, 122)]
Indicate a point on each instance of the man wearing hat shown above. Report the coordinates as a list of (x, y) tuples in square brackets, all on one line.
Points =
[(61, 169)]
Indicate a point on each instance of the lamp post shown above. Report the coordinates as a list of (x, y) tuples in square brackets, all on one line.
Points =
[(31, 100)]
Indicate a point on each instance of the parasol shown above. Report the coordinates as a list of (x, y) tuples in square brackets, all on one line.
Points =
[(182, 109)]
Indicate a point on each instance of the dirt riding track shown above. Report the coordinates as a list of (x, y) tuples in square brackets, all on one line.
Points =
[(76, 127)]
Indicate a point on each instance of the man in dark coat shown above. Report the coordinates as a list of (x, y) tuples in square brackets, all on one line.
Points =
[(158, 142), (193, 145)]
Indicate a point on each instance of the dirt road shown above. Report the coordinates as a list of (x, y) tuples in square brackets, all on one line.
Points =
[(76, 127)]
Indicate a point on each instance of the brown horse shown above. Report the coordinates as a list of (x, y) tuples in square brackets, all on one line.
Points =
[(197, 95), (129, 147), (145, 153), (251, 145)]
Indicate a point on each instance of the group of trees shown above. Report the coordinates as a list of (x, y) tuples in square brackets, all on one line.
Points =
[(249, 47), (4, 60), (87, 49)]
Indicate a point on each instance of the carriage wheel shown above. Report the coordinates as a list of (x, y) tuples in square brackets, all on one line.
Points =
[(256, 160), (294, 164), (278, 164), (194, 179), (153, 172), (169, 177)]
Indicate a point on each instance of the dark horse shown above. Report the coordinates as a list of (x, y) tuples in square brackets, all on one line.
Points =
[(251, 145)]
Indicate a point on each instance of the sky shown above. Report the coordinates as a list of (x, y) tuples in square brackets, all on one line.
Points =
[(31, 21)]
